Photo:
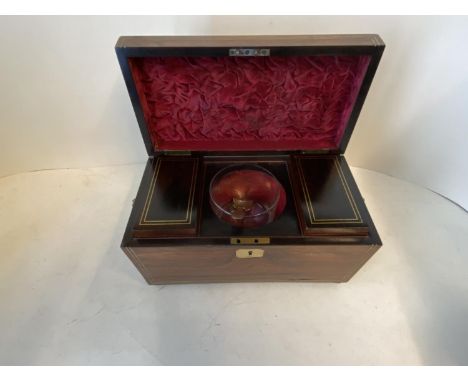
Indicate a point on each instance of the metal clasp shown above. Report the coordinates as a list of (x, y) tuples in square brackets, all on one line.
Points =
[(250, 240), (238, 52)]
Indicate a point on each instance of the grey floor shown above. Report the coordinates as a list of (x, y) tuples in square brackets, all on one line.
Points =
[(68, 295)]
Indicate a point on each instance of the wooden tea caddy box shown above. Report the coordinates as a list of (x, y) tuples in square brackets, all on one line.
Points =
[(286, 103)]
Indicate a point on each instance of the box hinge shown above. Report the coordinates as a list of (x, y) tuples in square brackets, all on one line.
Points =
[(176, 152), (321, 151)]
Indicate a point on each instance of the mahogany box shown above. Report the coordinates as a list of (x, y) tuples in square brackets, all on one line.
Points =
[(286, 103)]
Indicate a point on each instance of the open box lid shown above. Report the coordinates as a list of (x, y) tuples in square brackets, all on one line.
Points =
[(248, 93)]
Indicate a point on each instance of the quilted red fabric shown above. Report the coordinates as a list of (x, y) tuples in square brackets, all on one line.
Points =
[(248, 103)]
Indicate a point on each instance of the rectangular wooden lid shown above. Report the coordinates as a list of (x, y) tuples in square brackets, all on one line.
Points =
[(248, 93)]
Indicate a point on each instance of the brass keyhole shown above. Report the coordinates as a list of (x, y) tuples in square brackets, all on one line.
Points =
[(249, 253)]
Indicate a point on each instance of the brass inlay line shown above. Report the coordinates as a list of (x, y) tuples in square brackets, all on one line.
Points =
[(310, 209), (149, 198), (348, 191), (306, 193), (150, 191)]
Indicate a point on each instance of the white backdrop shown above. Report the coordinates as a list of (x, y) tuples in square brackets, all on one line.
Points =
[(63, 102)]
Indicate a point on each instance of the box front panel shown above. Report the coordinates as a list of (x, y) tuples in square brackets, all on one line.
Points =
[(193, 264)]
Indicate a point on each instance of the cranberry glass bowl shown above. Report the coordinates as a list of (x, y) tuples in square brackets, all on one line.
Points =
[(246, 195)]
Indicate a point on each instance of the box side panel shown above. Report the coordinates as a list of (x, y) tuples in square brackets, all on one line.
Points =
[(137, 263)]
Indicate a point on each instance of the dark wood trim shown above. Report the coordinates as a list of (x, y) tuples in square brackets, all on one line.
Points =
[(332, 40), (366, 83), (358, 196), (122, 57)]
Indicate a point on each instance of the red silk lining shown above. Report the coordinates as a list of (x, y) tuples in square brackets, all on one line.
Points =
[(248, 103)]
